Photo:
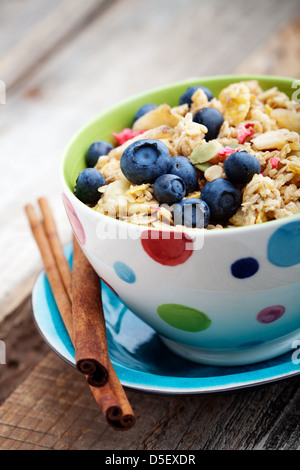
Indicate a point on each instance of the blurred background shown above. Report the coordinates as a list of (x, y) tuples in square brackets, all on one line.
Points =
[(63, 61)]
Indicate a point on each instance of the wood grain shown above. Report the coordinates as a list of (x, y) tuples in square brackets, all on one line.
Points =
[(24, 347), (48, 29), (45, 413), (279, 56)]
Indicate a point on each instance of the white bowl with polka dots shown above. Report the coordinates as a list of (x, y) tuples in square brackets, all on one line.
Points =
[(223, 297)]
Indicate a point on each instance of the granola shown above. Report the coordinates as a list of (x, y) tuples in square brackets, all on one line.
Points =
[(265, 124)]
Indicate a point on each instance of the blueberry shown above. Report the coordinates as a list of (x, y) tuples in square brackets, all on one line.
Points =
[(87, 184), (192, 213), (98, 148), (145, 160), (223, 199), (143, 110), (169, 189), (210, 118), (240, 167), (182, 167), (186, 98)]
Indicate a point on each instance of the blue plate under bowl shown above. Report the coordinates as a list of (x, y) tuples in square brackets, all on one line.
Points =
[(139, 357)]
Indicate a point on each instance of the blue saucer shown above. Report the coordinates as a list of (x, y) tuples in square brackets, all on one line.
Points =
[(139, 357)]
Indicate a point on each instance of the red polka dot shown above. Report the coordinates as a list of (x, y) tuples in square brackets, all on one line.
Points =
[(74, 221), (270, 314), (167, 248)]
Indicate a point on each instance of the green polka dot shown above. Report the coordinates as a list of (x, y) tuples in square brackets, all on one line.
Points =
[(183, 318)]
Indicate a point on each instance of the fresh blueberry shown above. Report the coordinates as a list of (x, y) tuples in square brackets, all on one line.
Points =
[(240, 167), (169, 189), (223, 199), (145, 160), (87, 184), (143, 110), (186, 98), (210, 118), (192, 213), (98, 148), (182, 167)]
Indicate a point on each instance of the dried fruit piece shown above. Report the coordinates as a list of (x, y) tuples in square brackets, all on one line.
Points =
[(125, 134), (204, 153), (245, 131), (228, 150), (286, 118), (159, 133), (268, 110), (236, 99), (225, 153), (277, 140), (274, 162), (294, 167), (162, 115)]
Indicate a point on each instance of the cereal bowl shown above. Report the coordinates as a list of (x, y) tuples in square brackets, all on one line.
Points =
[(218, 297)]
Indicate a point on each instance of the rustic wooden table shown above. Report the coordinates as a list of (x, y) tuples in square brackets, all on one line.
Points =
[(63, 61)]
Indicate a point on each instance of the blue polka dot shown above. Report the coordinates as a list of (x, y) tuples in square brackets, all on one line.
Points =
[(244, 267), (284, 246), (124, 272)]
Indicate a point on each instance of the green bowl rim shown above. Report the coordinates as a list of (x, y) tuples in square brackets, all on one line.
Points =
[(191, 80)]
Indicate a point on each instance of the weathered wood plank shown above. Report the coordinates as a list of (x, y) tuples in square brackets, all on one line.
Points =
[(37, 30), (17, 19), (24, 348), (279, 56), (53, 408), (286, 432), (33, 30), (43, 411)]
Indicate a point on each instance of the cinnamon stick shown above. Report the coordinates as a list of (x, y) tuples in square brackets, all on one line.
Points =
[(120, 417), (59, 292), (56, 246), (89, 331), (111, 398)]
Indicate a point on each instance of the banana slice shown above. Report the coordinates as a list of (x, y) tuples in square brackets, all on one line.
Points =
[(277, 140), (287, 119), (162, 115), (236, 100)]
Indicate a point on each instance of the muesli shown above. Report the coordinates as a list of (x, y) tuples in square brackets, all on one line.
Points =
[(210, 162)]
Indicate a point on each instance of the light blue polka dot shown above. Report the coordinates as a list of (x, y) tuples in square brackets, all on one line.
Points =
[(284, 246), (124, 272)]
